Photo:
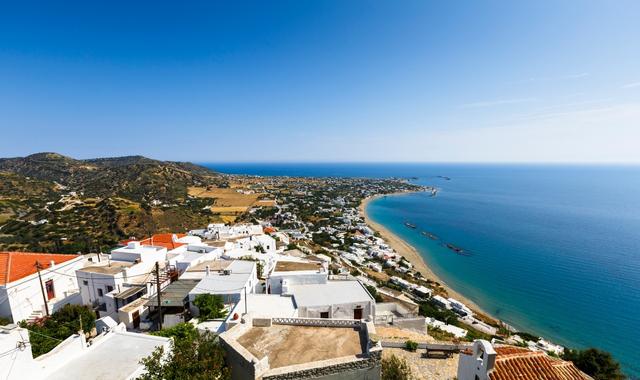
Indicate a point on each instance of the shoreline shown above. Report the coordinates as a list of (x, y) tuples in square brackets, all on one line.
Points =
[(413, 256)]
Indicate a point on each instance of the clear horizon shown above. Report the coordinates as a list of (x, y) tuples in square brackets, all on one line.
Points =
[(245, 82)]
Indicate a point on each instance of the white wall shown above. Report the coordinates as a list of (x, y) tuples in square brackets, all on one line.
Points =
[(479, 363), (23, 297), (16, 363), (274, 282), (339, 311)]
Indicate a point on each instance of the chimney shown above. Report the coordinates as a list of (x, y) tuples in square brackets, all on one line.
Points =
[(52, 264), (207, 270)]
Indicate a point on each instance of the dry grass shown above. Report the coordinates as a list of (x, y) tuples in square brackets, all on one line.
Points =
[(289, 266), (224, 197), (266, 203), (398, 334), (378, 276), (228, 209), (228, 218)]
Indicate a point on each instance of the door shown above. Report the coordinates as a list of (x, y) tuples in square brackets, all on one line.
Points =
[(51, 292), (136, 319), (357, 313)]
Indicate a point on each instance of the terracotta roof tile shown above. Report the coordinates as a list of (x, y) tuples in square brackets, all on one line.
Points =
[(17, 265), (160, 240), (519, 363)]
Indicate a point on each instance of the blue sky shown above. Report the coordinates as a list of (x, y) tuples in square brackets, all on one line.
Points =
[(476, 81)]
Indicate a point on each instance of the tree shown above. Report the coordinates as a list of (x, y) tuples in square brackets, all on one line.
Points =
[(374, 293), (596, 363), (395, 368), (180, 331), (196, 357), (210, 306), (47, 333)]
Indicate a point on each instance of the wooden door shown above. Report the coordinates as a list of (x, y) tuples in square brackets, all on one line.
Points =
[(357, 313), (136, 319), (51, 292)]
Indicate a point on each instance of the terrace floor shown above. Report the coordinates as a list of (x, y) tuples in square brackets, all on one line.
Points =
[(288, 345)]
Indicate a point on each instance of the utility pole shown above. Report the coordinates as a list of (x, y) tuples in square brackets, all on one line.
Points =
[(44, 296), (245, 300), (159, 297)]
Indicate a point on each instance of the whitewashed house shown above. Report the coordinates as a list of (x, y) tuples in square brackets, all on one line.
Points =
[(335, 300), (113, 354), (257, 243), (238, 278), (123, 276), (289, 273), (23, 295)]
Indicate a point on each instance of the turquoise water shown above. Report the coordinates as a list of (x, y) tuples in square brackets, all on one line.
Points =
[(552, 250)]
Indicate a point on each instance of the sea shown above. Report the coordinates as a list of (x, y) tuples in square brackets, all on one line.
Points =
[(552, 250)]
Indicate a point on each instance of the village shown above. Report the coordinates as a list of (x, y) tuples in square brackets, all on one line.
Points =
[(295, 284)]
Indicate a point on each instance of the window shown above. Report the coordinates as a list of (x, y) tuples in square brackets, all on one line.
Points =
[(324, 314), (109, 288), (51, 292), (99, 292), (85, 282)]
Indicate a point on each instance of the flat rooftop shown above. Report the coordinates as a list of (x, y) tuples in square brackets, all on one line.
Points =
[(287, 345), (214, 265), (116, 357), (293, 266), (331, 293), (268, 306), (108, 268)]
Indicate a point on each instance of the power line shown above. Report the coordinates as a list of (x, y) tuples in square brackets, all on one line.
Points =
[(46, 336)]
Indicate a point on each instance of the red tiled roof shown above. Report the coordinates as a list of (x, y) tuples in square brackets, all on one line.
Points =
[(17, 265), (519, 363), (160, 240)]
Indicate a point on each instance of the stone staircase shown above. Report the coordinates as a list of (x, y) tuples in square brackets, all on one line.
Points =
[(35, 316)]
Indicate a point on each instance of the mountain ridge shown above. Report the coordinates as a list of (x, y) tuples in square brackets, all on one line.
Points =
[(54, 203)]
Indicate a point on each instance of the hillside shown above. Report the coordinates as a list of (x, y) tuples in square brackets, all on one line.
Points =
[(50, 202)]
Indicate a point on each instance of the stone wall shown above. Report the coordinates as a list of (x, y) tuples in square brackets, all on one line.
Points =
[(364, 368), (319, 322)]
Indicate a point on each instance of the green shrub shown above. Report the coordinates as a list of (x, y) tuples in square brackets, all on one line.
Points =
[(210, 306), (180, 331), (596, 363), (197, 357), (410, 345), (374, 293), (395, 368), (65, 322)]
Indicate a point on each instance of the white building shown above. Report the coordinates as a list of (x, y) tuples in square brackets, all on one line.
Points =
[(113, 354), (22, 293), (486, 362), (232, 283), (459, 307), (335, 300), (257, 243), (454, 330), (423, 291), (290, 273), (220, 231), (129, 267), (441, 301)]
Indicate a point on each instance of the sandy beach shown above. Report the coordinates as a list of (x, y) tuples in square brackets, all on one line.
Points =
[(414, 257)]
